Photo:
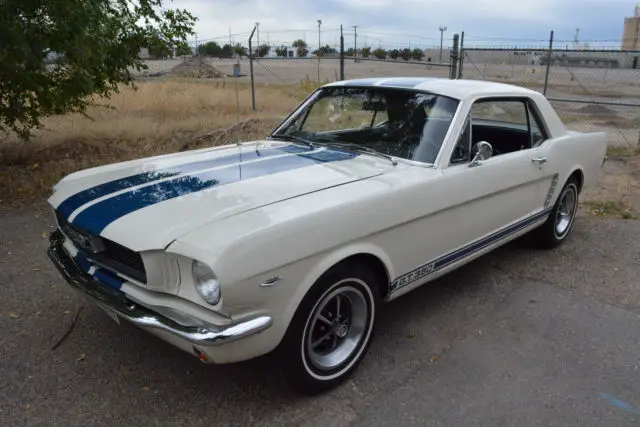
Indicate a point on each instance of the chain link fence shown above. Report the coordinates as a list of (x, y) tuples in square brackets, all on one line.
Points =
[(239, 88), (592, 89)]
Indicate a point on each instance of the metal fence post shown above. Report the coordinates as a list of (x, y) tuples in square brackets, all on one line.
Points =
[(546, 77), (253, 83), (461, 61), (454, 58), (341, 54)]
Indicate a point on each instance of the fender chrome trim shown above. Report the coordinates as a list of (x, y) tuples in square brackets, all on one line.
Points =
[(115, 302)]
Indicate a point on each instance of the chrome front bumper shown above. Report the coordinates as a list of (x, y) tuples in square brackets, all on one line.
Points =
[(117, 303)]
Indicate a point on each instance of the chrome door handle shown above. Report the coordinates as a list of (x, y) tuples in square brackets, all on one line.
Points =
[(539, 160)]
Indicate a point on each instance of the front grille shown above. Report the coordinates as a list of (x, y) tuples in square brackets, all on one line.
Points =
[(112, 255)]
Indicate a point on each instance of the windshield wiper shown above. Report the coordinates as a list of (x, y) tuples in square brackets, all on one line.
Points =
[(357, 147), (294, 138)]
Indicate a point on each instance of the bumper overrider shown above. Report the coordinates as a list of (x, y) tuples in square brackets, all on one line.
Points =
[(117, 304)]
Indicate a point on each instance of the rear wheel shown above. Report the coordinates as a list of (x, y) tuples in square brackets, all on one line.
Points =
[(557, 227), (331, 330)]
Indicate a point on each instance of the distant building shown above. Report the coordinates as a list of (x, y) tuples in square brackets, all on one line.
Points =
[(631, 33), (291, 52), (144, 53)]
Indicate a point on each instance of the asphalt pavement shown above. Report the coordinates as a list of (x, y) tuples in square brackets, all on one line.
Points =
[(518, 337)]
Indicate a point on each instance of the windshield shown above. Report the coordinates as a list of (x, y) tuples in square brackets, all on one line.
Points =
[(402, 123)]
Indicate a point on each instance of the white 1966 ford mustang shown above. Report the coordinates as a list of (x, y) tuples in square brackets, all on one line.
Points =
[(369, 189)]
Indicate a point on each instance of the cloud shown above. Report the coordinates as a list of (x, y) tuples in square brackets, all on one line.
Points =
[(400, 22)]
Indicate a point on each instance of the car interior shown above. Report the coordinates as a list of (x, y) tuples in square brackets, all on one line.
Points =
[(413, 125), (505, 136), (408, 131)]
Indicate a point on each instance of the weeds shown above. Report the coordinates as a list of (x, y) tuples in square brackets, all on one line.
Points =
[(604, 208)]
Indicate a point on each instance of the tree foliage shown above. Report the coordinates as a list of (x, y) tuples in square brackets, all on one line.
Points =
[(417, 54), (159, 50), (325, 50), (57, 54), (210, 49), (350, 52), (301, 48), (262, 50), (380, 53), (240, 50), (365, 52), (281, 51), (226, 51), (405, 54), (394, 54), (183, 49)]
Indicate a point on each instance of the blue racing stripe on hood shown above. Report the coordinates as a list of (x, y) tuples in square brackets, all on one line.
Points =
[(97, 217), (69, 205)]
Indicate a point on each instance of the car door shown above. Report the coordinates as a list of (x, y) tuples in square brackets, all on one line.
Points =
[(497, 197)]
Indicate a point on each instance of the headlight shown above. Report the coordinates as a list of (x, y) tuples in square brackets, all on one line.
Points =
[(206, 283)]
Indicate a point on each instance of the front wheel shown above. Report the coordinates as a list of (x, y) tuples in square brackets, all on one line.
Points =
[(331, 330), (557, 227)]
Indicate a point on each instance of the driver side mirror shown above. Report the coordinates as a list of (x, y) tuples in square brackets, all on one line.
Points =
[(483, 150)]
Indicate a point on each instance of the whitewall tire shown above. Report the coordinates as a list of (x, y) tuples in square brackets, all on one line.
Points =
[(557, 227), (332, 329)]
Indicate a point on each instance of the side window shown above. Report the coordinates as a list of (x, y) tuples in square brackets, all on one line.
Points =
[(509, 125), (512, 112), (462, 150), (538, 132)]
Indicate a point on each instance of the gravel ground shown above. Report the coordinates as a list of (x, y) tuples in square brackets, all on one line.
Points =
[(519, 336)]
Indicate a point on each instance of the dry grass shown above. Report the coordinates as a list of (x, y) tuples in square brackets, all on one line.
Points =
[(161, 116), (617, 208), (617, 192), (167, 115)]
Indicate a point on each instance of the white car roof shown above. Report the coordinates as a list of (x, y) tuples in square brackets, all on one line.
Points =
[(459, 89)]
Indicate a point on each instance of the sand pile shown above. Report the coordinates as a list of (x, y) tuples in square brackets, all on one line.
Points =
[(196, 67), (595, 109)]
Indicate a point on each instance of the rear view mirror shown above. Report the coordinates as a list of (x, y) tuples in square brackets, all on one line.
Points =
[(373, 106), (483, 151)]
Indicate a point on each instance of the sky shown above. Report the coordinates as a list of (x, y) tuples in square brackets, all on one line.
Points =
[(398, 23)]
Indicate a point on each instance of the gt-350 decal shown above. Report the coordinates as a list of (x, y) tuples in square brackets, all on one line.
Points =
[(464, 252)]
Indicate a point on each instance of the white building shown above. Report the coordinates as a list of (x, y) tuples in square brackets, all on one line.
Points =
[(292, 52)]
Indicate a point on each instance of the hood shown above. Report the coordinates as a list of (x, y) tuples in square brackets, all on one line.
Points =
[(148, 203)]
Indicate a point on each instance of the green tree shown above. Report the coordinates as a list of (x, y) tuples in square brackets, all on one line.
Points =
[(325, 51), (301, 48), (240, 50), (226, 51), (365, 52), (417, 54), (281, 51), (350, 52), (210, 49), (262, 50), (380, 53), (159, 50), (183, 49), (57, 55), (394, 54), (405, 54)]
